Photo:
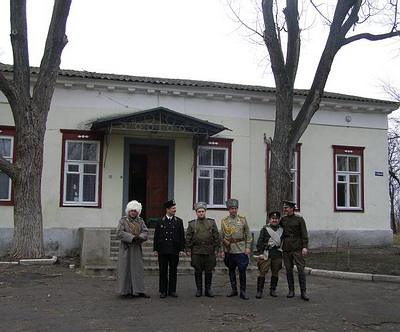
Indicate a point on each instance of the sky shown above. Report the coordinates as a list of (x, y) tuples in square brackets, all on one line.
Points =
[(191, 39)]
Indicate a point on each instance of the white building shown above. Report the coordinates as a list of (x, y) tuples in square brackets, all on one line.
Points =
[(114, 138)]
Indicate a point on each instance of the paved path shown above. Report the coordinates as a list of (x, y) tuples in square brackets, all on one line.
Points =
[(55, 298)]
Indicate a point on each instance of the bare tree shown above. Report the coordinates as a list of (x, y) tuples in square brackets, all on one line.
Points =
[(282, 36), (30, 111), (394, 171), (394, 160)]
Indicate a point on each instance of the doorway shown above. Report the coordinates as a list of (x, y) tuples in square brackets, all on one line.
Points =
[(148, 178)]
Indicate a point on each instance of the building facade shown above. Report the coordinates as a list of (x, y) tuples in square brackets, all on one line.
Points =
[(111, 139)]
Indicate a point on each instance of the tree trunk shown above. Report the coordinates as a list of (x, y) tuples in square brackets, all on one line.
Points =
[(28, 217), (281, 152)]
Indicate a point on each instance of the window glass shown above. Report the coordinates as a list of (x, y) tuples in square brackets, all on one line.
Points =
[(90, 151), (204, 156), (6, 150), (5, 147), (353, 164), (219, 157), (74, 151), (5, 187), (341, 163)]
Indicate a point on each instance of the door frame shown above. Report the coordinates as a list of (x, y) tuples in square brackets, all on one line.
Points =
[(128, 141)]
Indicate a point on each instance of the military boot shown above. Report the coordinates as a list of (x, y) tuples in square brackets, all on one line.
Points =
[(272, 287), (260, 287), (290, 280), (242, 277), (208, 281), (198, 277), (232, 278), (303, 288)]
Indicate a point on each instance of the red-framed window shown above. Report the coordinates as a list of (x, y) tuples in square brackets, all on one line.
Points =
[(81, 168), (212, 174), (348, 178), (7, 151)]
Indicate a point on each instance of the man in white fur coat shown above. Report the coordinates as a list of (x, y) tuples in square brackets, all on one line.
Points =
[(132, 232)]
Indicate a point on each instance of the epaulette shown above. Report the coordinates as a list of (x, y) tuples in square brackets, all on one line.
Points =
[(190, 221), (225, 218), (211, 219)]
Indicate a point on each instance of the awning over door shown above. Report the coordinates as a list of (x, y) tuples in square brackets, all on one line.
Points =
[(159, 119)]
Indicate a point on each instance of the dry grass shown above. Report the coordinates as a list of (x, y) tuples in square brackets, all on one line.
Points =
[(396, 239), (382, 260)]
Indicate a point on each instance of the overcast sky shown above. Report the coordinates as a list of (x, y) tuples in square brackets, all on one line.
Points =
[(190, 39)]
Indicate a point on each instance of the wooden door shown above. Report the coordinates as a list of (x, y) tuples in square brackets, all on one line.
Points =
[(148, 182)]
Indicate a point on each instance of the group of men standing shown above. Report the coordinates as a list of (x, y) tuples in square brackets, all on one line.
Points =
[(284, 237)]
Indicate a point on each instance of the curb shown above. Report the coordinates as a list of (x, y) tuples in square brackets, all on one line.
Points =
[(38, 261), (353, 275)]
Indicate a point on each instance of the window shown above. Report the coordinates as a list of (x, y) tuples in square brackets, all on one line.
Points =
[(7, 135), (348, 178), (81, 174), (295, 174), (213, 172)]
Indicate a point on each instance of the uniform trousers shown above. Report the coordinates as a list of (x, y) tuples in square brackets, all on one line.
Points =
[(168, 266), (241, 261), (274, 263), (203, 262), (291, 258)]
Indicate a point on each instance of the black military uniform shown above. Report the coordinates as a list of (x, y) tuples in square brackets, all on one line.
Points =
[(202, 244), (169, 241), (295, 239), (269, 245)]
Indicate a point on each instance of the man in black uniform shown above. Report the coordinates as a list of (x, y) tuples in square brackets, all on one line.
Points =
[(169, 243), (294, 247), (202, 245), (269, 252)]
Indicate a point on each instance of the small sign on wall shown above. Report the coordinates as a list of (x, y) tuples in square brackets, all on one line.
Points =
[(378, 173)]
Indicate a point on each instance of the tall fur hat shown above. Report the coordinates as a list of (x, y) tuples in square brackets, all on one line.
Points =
[(233, 202), (134, 205)]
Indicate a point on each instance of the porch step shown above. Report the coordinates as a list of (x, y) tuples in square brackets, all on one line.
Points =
[(149, 261)]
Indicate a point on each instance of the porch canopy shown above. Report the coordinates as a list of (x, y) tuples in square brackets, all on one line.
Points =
[(159, 119)]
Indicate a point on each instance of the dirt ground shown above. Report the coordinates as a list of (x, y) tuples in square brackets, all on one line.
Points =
[(57, 298)]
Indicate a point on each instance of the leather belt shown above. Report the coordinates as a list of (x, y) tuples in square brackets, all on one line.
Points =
[(235, 240)]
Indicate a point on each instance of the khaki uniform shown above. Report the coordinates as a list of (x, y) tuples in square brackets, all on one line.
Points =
[(235, 234), (202, 241), (274, 259), (295, 239)]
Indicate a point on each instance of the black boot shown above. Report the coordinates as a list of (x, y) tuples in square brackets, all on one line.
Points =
[(232, 278), (290, 281), (198, 276), (242, 278), (260, 287), (208, 281), (303, 288), (272, 287)]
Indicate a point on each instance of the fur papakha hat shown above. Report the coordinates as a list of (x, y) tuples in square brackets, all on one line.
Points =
[(134, 205), (200, 205)]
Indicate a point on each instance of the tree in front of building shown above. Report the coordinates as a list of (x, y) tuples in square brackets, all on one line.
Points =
[(348, 21), (30, 103)]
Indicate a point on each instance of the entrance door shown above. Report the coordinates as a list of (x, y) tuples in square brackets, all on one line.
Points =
[(148, 178)]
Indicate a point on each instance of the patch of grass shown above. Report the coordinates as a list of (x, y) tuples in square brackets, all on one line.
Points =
[(396, 239)]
